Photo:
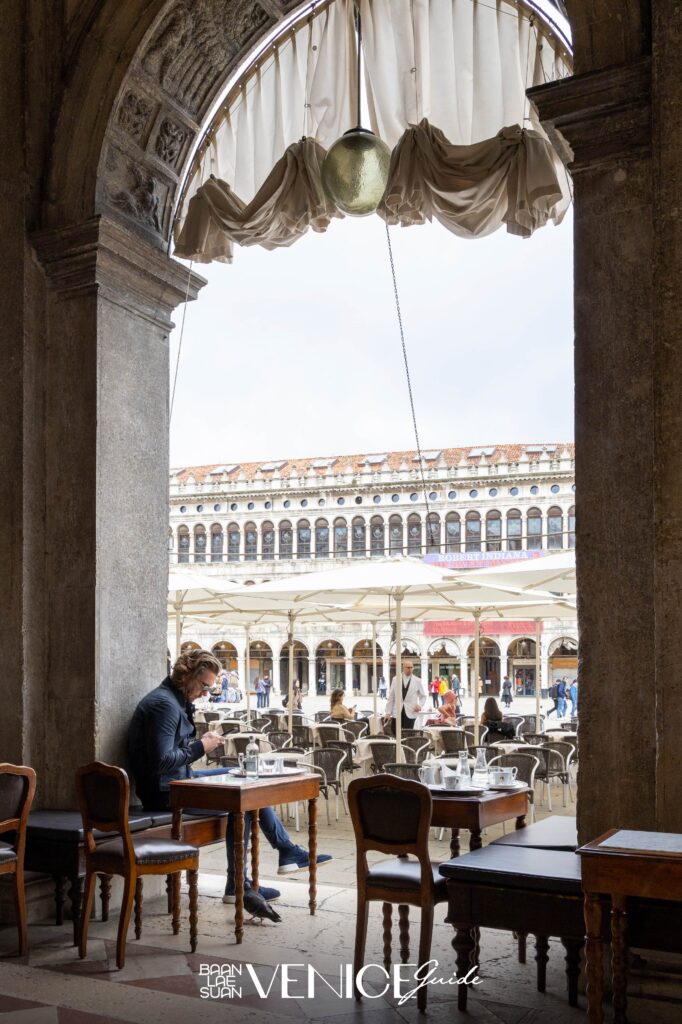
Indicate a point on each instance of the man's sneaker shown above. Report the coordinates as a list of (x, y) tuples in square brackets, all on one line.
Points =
[(298, 860), (271, 895)]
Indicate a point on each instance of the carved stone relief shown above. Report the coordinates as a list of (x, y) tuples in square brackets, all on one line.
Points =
[(170, 142), (136, 191), (134, 116)]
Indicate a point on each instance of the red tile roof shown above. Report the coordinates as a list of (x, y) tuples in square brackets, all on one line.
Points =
[(357, 463)]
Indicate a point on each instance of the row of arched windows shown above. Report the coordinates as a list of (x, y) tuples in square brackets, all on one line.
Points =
[(360, 537)]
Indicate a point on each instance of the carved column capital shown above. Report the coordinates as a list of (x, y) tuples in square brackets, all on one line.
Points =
[(600, 117), (103, 256)]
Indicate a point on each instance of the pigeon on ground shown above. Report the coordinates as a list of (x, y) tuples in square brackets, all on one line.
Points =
[(255, 905)]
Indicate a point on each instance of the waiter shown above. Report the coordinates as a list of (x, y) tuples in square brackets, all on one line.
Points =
[(414, 697)]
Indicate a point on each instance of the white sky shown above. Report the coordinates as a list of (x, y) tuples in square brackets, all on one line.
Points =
[(297, 352)]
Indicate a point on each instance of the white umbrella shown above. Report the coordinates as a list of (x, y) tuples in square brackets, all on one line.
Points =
[(555, 572), (418, 591)]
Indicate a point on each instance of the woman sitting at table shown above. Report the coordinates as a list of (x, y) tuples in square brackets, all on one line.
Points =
[(493, 718), (338, 708), (447, 713)]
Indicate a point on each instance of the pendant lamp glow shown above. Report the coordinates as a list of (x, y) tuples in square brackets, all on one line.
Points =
[(355, 172)]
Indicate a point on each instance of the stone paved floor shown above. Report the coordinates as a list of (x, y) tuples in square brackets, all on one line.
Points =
[(161, 982)]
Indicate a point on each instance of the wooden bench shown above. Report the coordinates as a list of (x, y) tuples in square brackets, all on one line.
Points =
[(54, 846), (558, 832), (516, 889)]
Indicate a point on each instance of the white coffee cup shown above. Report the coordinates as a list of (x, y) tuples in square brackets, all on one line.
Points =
[(500, 776)]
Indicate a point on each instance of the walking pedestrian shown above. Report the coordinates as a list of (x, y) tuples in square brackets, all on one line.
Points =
[(507, 692), (434, 687), (561, 698), (573, 694), (554, 697)]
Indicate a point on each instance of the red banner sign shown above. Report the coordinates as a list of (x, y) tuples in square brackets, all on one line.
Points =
[(496, 627)]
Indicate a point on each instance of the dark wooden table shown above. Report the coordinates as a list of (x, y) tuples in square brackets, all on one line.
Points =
[(622, 864), (476, 813), (237, 796)]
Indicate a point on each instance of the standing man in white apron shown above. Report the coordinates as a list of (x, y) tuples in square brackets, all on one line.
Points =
[(414, 698)]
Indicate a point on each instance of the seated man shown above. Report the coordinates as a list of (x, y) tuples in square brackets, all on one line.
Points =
[(162, 745)]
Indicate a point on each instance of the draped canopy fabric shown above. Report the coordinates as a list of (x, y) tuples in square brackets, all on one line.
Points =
[(445, 82)]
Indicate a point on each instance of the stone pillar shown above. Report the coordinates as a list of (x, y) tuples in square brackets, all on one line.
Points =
[(424, 671), (109, 301), (348, 682), (275, 674), (363, 679), (602, 120)]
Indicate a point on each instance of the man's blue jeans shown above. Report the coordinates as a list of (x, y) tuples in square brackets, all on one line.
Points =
[(270, 825)]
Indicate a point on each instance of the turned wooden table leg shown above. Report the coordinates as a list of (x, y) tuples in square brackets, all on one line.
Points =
[(255, 850), (239, 876), (463, 945), (312, 851), (619, 958), (521, 938), (138, 907), (572, 947), (521, 821), (541, 958), (59, 890), (76, 895), (594, 982), (192, 878), (387, 913), (175, 901), (105, 895), (404, 931), (454, 842), (475, 839)]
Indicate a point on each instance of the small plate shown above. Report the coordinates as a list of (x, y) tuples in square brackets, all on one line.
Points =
[(506, 787)]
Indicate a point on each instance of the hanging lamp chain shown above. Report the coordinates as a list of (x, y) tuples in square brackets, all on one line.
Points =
[(409, 381)]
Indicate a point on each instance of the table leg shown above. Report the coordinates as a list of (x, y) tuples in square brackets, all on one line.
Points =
[(475, 840), (175, 902), (521, 945), (312, 853), (255, 850), (75, 895), (521, 821), (619, 957), (105, 895), (594, 987), (454, 842), (463, 945), (572, 947), (239, 876), (541, 958)]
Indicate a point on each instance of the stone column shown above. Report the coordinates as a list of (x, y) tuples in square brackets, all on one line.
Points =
[(363, 679), (424, 669), (109, 301), (275, 673), (349, 677), (602, 120)]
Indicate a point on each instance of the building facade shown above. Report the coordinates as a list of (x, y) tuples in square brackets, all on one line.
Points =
[(460, 507)]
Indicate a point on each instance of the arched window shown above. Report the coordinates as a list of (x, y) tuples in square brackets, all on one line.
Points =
[(493, 531), (216, 543), (321, 539), (233, 542), (268, 540), (414, 534), (534, 529), (303, 537), (473, 532), (199, 543), (183, 544), (514, 530), (377, 542), (453, 532), (340, 538), (571, 527), (433, 532), (555, 528), (250, 542), (359, 542), (395, 535), (286, 539)]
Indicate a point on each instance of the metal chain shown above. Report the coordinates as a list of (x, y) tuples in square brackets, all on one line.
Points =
[(409, 383)]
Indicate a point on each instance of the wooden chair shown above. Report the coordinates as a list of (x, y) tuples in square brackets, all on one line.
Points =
[(393, 816), (17, 788), (103, 794)]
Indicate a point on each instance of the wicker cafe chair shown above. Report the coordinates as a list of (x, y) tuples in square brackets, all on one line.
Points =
[(17, 788), (242, 741), (454, 740), (326, 762), (320, 716), (526, 766), (262, 724), (328, 733), (528, 725), (420, 745), (302, 736), (349, 764), (228, 726), (403, 771), (103, 794), (384, 752), (278, 737), (567, 751), (552, 766), (393, 815), (212, 716), (357, 728)]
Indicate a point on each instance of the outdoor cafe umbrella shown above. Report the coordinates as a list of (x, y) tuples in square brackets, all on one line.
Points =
[(417, 591), (555, 573)]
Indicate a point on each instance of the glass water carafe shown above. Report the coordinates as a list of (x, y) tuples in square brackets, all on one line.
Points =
[(463, 772), (480, 777)]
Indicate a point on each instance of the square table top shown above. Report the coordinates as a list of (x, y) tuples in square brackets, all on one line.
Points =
[(636, 843), (231, 793)]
